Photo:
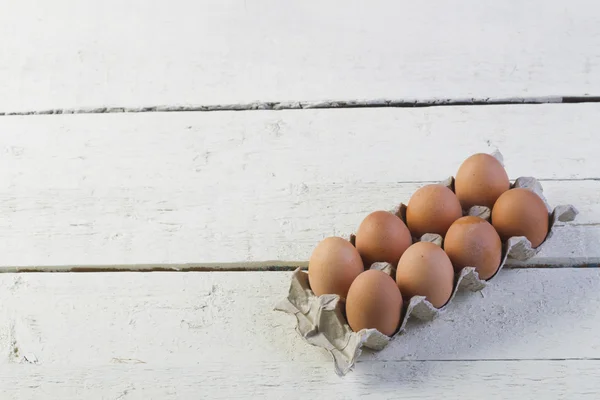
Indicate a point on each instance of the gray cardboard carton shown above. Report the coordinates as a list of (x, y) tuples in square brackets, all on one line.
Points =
[(320, 320)]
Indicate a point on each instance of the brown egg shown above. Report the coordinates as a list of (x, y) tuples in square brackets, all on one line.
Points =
[(374, 302), (473, 242), (425, 270), (332, 267), (432, 209), (480, 180), (382, 237), (521, 212)]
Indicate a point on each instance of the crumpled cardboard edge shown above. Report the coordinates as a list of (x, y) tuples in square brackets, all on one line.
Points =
[(320, 319), (321, 323)]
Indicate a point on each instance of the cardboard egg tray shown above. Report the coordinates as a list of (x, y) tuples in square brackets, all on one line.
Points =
[(320, 319)]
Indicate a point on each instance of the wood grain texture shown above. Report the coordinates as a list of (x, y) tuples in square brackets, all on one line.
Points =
[(430, 380), (180, 319), (236, 187), (95, 54), (176, 335)]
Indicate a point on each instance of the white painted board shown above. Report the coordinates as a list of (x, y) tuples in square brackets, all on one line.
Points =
[(179, 319), (238, 187), (175, 335), (67, 53), (430, 380)]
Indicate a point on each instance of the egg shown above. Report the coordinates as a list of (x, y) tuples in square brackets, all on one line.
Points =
[(432, 209), (425, 270), (521, 212), (374, 302), (473, 242), (480, 180), (382, 237), (333, 266)]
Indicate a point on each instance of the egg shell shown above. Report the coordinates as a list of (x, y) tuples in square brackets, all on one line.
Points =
[(333, 266), (432, 209), (480, 180), (374, 302), (521, 212), (473, 242), (425, 270), (382, 237)]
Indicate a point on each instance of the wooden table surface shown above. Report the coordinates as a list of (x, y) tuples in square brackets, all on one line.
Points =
[(203, 148)]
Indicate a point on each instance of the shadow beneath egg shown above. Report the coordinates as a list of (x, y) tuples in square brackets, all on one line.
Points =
[(522, 314)]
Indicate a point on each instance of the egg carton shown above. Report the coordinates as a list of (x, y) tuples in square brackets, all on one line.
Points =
[(321, 321)]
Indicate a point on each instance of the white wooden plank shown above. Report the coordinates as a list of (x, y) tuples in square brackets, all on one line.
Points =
[(571, 246), (430, 380), (185, 319), (68, 53), (213, 188)]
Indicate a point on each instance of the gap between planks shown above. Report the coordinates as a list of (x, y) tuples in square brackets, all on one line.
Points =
[(232, 267), (324, 104)]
